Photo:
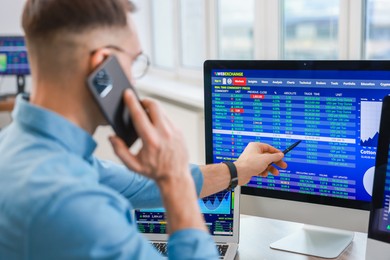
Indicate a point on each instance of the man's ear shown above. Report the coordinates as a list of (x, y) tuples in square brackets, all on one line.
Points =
[(98, 57)]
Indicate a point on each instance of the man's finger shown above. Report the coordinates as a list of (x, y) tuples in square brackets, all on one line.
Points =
[(154, 110), (273, 171), (264, 173), (157, 115), (263, 148), (266, 148), (139, 117), (281, 164), (122, 151), (273, 157)]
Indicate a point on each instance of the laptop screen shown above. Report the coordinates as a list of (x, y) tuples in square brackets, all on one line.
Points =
[(218, 211), (379, 228)]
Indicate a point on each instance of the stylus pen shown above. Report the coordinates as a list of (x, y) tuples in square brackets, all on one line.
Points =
[(288, 149)]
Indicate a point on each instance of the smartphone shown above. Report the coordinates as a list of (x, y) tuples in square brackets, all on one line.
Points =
[(107, 84)]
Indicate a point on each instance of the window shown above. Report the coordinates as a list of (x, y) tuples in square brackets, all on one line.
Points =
[(311, 29), (163, 34), (184, 33), (378, 29), (235, 29), (192, 30)]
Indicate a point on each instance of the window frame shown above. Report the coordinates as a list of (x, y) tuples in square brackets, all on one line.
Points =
[(351, 34)]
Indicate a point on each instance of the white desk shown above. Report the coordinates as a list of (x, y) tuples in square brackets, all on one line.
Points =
[(257, 233)]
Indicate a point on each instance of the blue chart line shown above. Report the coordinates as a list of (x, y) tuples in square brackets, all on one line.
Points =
[(369, 125), (372, 141), (216, 204)]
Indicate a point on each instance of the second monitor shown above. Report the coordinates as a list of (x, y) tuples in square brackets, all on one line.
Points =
[(14, 59)]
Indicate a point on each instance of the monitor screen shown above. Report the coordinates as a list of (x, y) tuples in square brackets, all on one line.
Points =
[(218, 211), (333, 107), (379, 227), (385, 220), (13, 56)]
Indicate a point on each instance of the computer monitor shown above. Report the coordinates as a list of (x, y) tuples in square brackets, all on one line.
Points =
[(378, 242), (14, 59), (332, 106)]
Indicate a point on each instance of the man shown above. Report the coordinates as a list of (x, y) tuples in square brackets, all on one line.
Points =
[(57, 201)]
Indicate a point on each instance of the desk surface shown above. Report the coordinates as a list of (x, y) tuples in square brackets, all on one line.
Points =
[(7, 104), (257, 233)]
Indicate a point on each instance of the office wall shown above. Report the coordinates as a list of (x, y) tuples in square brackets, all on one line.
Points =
[(10, 12)]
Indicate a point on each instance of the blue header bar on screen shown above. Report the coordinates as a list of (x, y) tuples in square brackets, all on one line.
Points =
[(301, 82)]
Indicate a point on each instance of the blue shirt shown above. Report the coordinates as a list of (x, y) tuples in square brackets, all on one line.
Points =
[(57, 201)]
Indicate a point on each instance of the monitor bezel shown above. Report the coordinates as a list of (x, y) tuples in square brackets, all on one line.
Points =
[(210, 65), (16, 74), (381, 164)]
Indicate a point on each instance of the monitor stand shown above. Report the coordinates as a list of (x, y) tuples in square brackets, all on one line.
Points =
[(20, 83), (316, 241)]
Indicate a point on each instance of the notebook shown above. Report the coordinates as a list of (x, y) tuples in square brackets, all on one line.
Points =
[(221, 213), (378, 242)]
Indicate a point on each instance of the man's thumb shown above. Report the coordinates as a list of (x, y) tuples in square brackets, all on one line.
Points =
[(274, 157)]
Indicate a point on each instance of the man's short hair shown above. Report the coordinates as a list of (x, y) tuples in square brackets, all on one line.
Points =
[(45, 18)]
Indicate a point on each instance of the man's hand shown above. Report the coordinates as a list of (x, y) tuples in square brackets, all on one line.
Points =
[(163, 158), (163, 154), (257, 160)]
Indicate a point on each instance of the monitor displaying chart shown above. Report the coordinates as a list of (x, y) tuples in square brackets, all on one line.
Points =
[(336, 115)]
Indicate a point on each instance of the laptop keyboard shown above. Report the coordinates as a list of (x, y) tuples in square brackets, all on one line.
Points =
[(162, 249), (222, 249)]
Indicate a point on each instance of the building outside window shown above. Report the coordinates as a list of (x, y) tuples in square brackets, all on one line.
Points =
[(235, 29), (311, 29), (378, 29)]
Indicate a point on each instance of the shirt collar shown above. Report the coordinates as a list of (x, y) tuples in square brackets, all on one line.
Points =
[(53, 126)]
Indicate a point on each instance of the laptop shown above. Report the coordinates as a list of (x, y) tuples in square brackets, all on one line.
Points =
[(221, 212), (378, 242)]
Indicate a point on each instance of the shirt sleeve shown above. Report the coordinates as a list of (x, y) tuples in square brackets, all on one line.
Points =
[(91, 224), (140, 191)]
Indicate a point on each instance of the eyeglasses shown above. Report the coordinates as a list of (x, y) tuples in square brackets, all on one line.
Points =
[(140, 63), (140, 66)]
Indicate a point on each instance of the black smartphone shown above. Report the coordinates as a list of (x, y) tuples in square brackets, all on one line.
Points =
[(107, 84)]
